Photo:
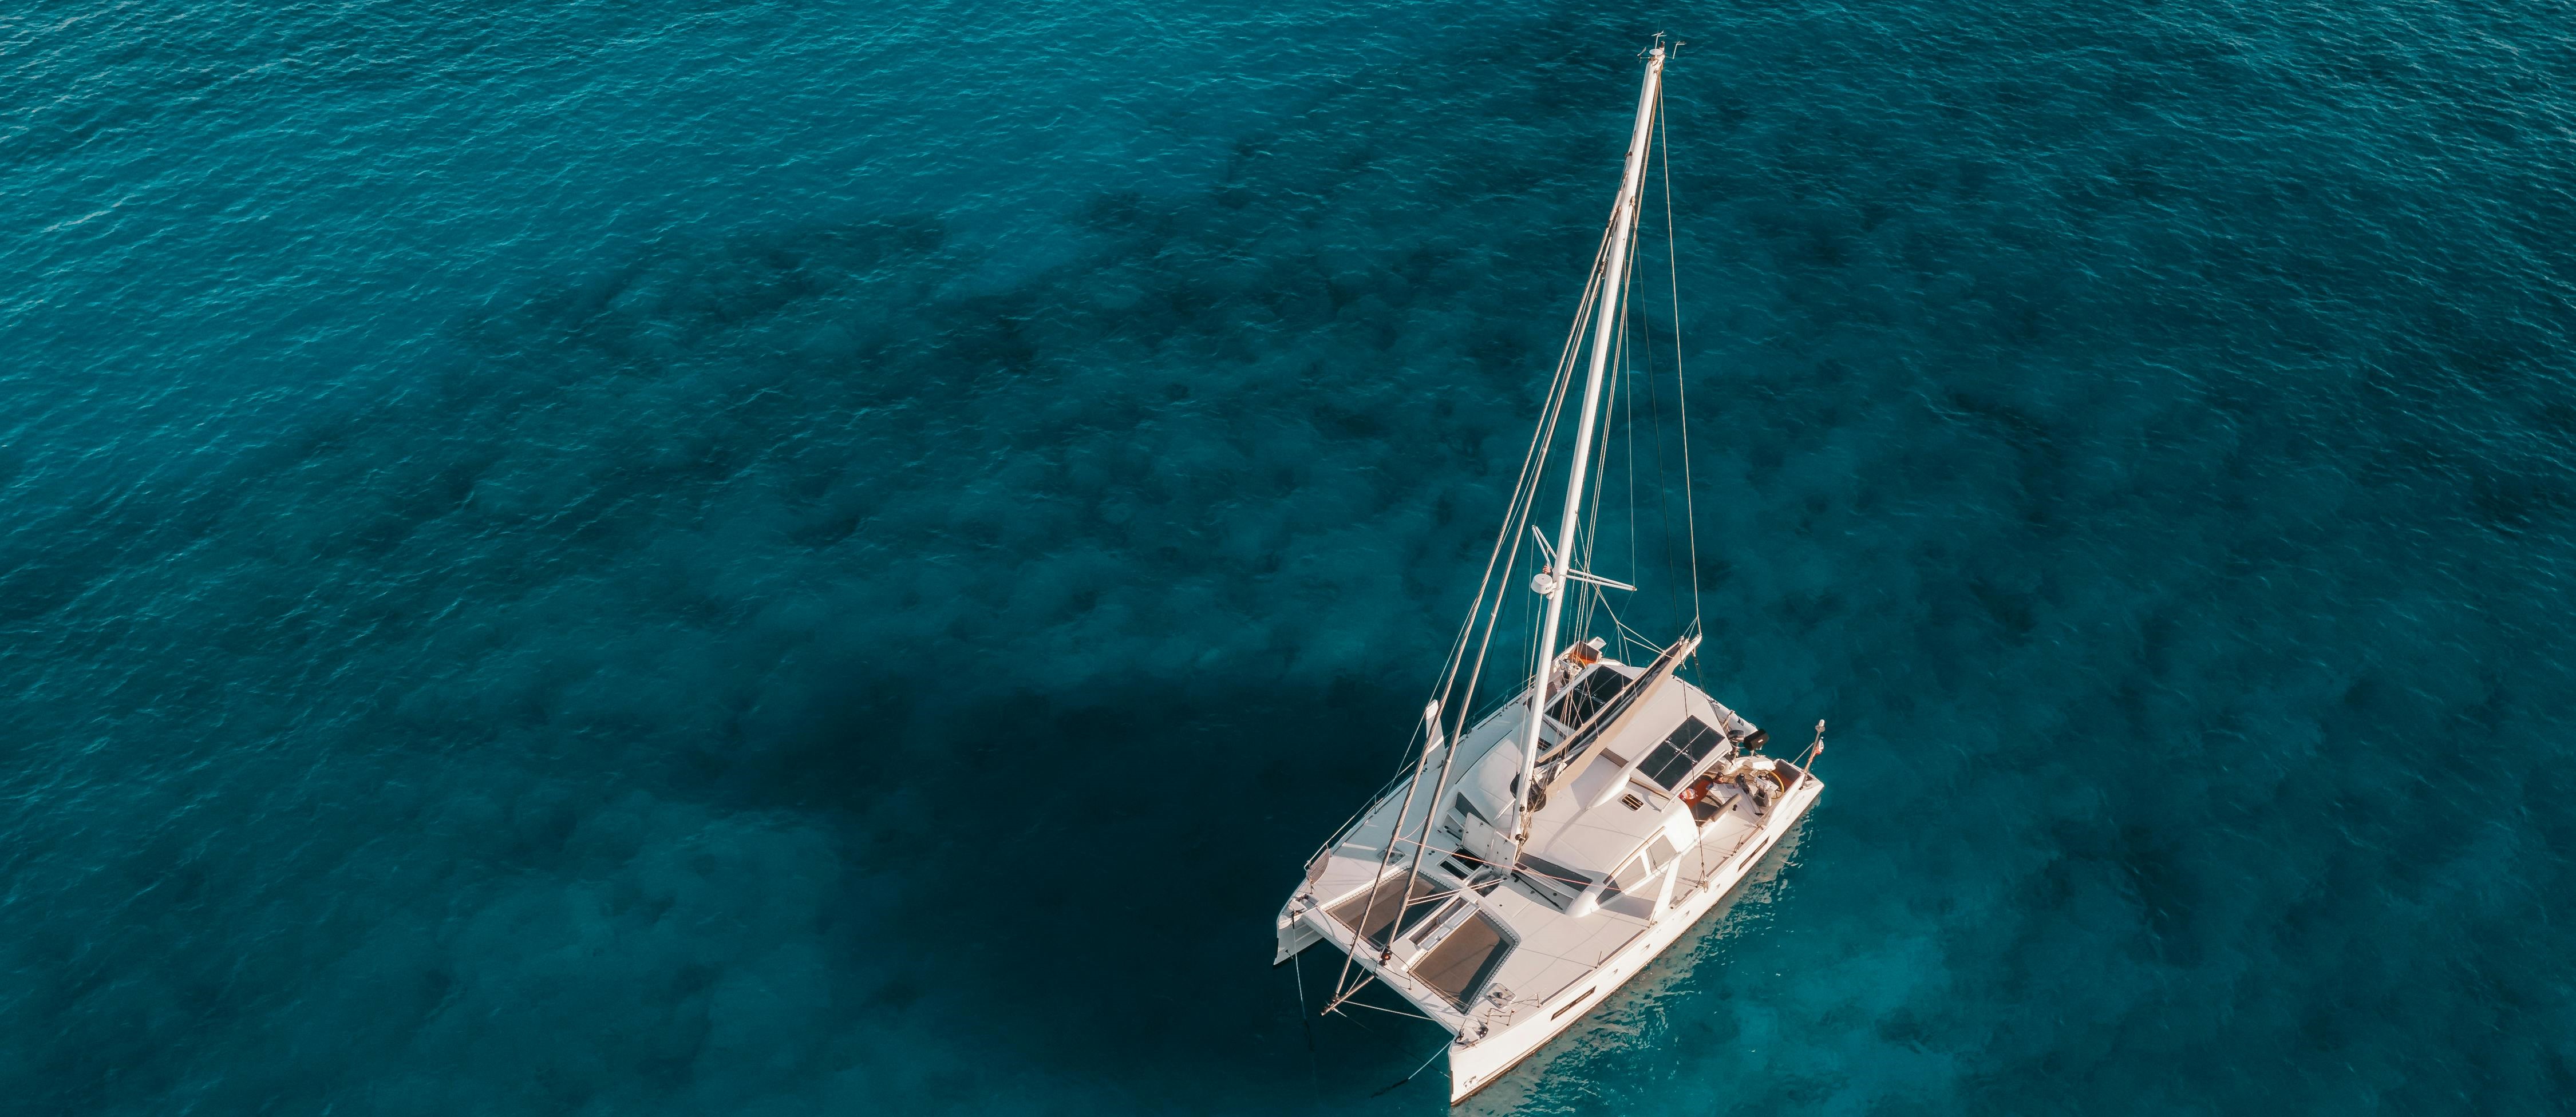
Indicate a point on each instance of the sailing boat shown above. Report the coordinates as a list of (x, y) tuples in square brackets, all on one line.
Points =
[(1532, 861)]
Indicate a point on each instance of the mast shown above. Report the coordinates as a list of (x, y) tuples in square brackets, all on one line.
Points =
[(1552, 583)]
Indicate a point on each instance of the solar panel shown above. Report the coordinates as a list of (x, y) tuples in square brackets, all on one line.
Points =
[(1672, 761)]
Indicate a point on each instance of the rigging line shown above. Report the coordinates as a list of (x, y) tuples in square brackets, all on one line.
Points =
[(1663, 487), (1335, 1005), (1376, 797), (1641, 638), (1314, 1074), (1681, 383), (1646, 337), (1524, 497), (1591, 595), (1587, 528), (1592, 532), (1395, 832), (1588, 531), (1395, 829), (1426, 1065), (1386, 856), (1621, 226), (1628, 439), (1533, 467), (1655, 451), (1533, 463), (1393, 1012), (1622, 210), (1601, 477), (1396, 826), (1524, 490), (1524, 494), (1560, 388), (1625, 631)]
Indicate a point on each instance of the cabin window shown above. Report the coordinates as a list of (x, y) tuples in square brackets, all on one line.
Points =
[(1631, 874), (1662, 851), (1587, 696), (1672, 761), (1637, 874), (1640, 870)]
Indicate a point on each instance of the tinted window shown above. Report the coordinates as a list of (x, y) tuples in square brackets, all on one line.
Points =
[(1628, 877), (1587, 696), (1672, 761), (1661, 851)]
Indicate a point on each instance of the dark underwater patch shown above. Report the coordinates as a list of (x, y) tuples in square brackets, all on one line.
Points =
[(791, 651)]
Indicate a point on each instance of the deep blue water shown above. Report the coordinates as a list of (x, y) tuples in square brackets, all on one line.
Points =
[(764, 558)]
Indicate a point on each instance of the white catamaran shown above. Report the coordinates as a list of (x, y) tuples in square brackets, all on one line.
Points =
[(1526, 865)]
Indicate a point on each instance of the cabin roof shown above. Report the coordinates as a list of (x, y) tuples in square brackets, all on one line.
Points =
[(1589, 835)]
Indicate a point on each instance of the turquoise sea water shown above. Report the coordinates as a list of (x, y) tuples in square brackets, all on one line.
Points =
[(765, 558)]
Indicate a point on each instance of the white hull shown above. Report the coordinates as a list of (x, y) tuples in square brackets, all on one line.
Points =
[(1495, 1038), (1474, 1067)]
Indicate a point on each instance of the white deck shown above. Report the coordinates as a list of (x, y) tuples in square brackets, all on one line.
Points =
[(1561, 953)]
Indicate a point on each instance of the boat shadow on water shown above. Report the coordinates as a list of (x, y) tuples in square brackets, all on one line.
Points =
[(971, 870)]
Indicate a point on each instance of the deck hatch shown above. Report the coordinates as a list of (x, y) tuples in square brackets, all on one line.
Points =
[(1550, 883), (1378, 906), (1672, 761), (1465, 959)]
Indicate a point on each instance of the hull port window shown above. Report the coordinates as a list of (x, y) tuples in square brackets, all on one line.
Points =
[(1672, 761)]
